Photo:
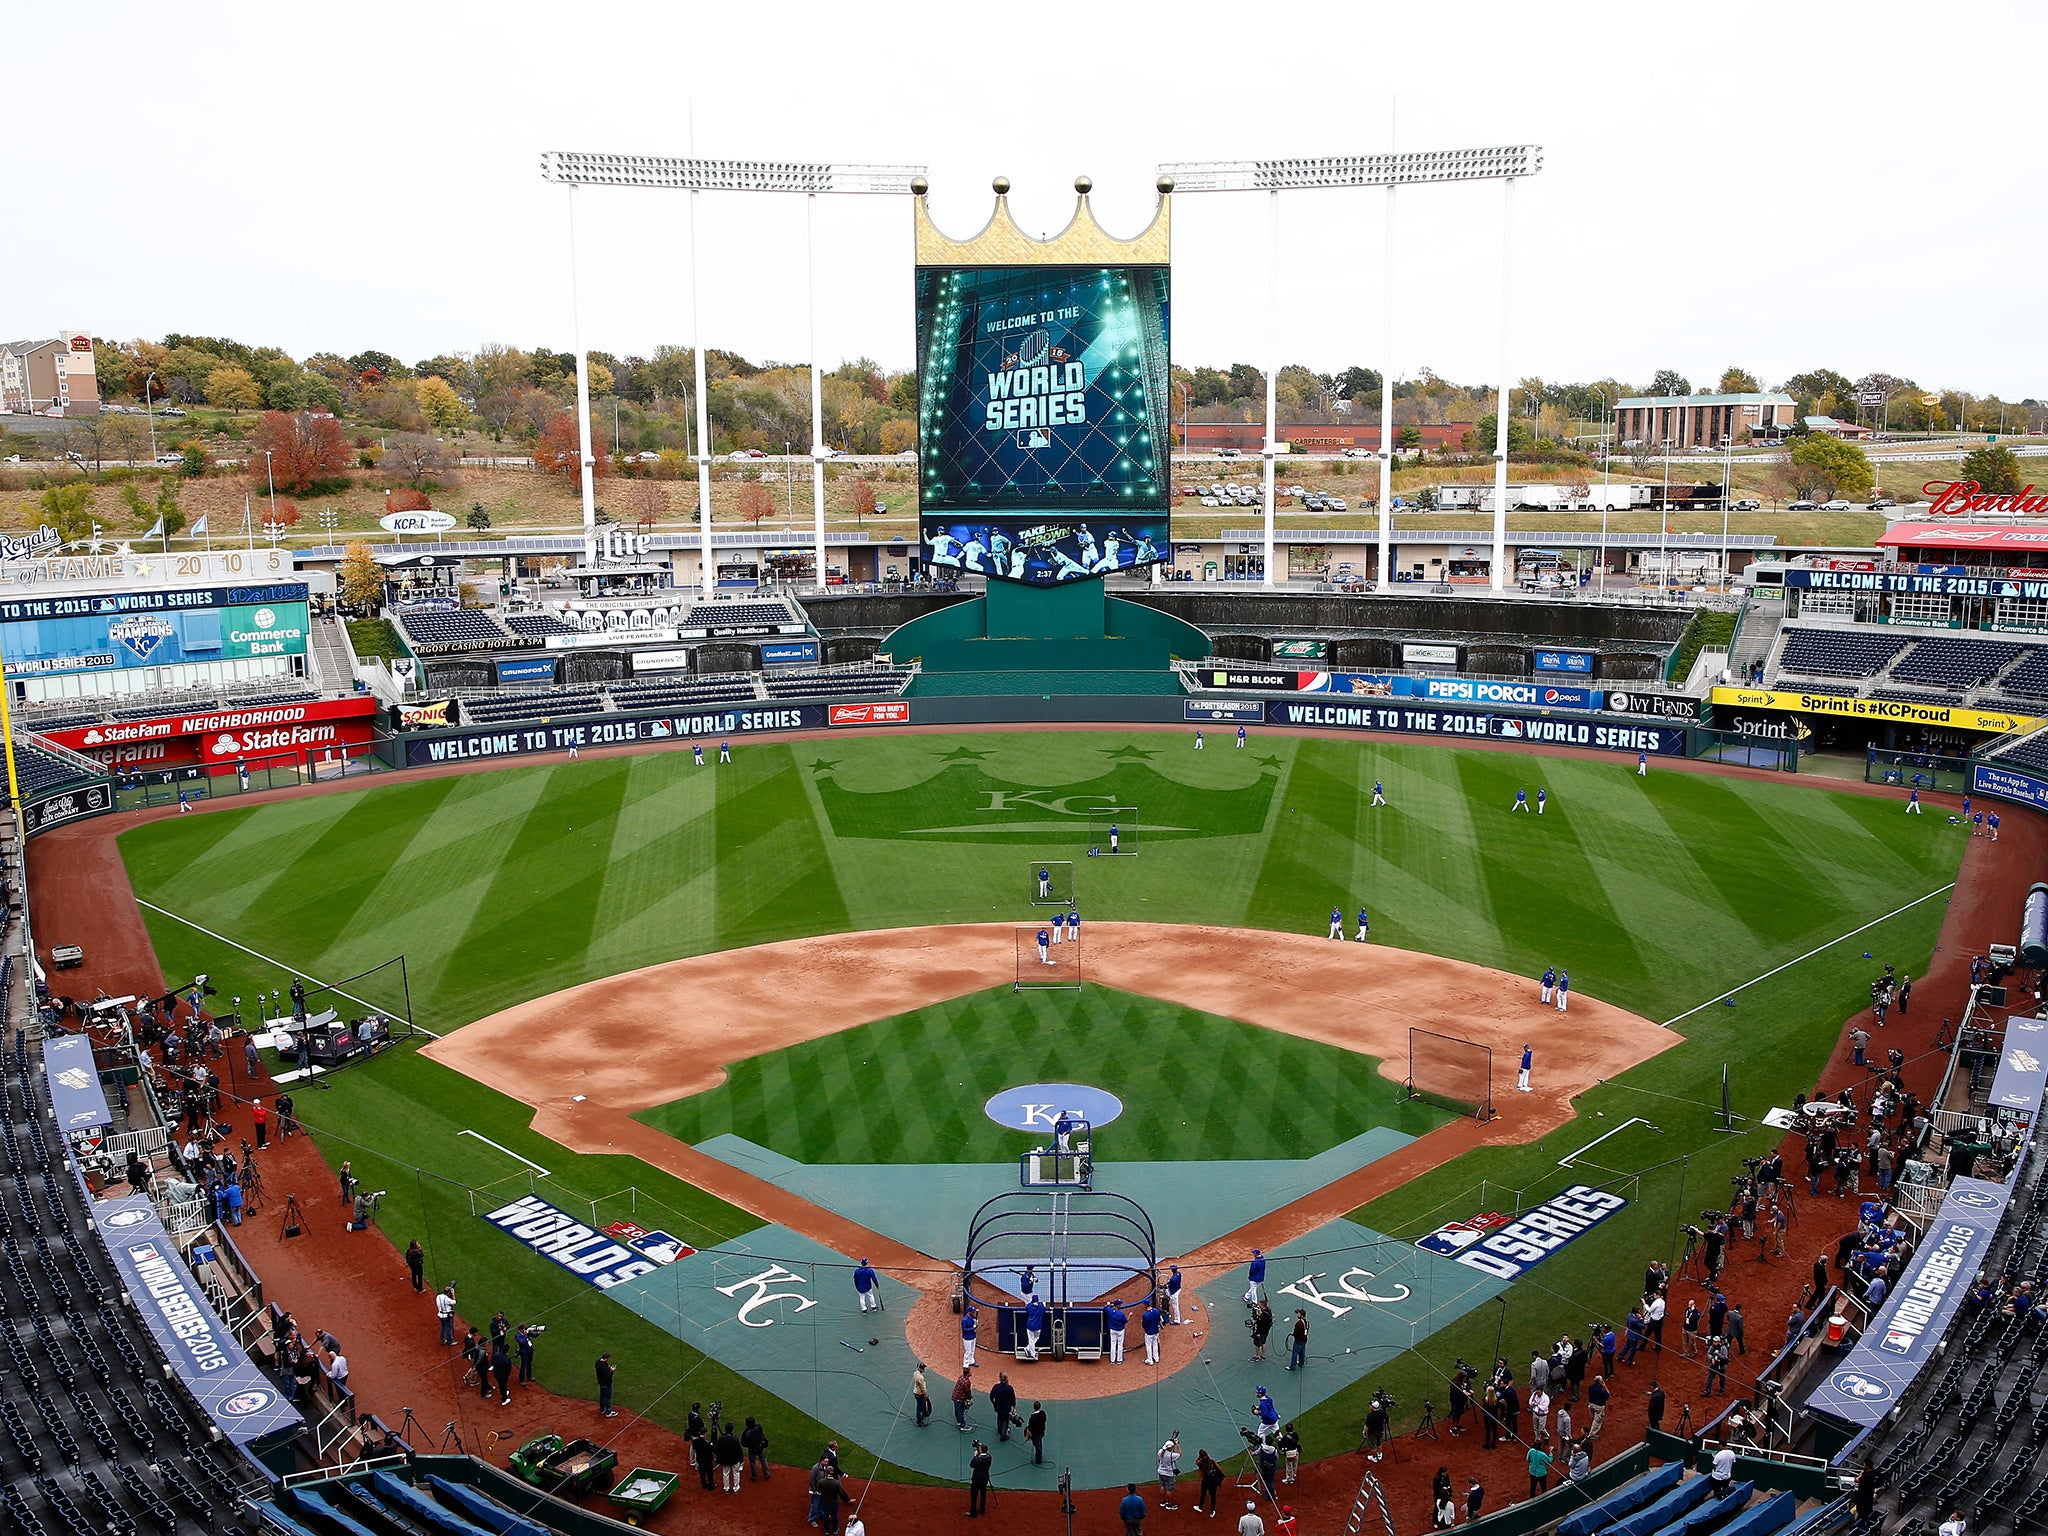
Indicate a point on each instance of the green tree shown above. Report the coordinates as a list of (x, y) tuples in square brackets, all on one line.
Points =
[(1481, 438), (68, 509), (1410, 436), (193, 456), (233, 388), (141, 510), (479, 519), (1996, 470), (1738, 381), (1669, 381), (1815, 385), (1844, 463)]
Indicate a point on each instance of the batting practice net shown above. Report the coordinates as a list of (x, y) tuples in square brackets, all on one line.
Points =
[(1451, 1072), (1050, 882), (1059, 968), (1113, 830)]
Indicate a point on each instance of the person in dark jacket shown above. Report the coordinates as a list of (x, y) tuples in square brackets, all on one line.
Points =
[(754, 1441), (501, 1373), (704, 1456), (977, 1480), (1034, 1431), (730, 1454), (1002, 1397)]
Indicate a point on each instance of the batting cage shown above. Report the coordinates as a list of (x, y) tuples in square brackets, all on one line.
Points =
[(1043, 967), (1050, 882), (1451, 1072), (1113, 830)]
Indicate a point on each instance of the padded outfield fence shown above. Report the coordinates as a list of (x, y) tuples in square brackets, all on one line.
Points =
[(1450, 1072)]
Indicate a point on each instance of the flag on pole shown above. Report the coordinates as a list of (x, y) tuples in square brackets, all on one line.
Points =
[(200, 529), (248, 527), (156, 531)]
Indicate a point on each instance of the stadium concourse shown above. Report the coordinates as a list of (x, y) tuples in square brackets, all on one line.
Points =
[(355, 1285)]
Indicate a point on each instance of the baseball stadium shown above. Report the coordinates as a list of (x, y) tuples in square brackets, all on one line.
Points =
[(703, 1058)]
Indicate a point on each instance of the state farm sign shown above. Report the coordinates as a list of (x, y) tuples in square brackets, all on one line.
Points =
[(223, 734)]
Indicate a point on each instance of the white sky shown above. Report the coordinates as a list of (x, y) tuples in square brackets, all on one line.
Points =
[(1782, 187)]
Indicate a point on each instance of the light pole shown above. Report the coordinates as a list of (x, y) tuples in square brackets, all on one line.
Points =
[(573, 168), (788, 490), (1727, 494), (150, 411), (1664, 516), (1498, 163), (271, 480)]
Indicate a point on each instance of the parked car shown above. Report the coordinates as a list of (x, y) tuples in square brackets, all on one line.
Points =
[(1746, 504), (169, 410), (169, 460), (907, 456), (1229, 453), (1336, 504), (1704, 448), (1837, 505), (1359, 453), (647, 456), (1801, 506), (1311, 503), (1210, 501)]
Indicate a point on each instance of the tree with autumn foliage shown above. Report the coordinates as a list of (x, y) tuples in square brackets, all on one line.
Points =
[(557, 450), (863, 498), (756, 501), (306, 451)]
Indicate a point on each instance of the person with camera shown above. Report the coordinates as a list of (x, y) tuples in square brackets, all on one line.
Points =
[(1290, 1452), (1261, 1325), (978, 1465), (1376, 1420), (1297, 1340), (1169, 1471)]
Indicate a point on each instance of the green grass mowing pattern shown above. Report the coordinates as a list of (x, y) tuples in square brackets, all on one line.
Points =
[(1195, 1087), (1657, 893)]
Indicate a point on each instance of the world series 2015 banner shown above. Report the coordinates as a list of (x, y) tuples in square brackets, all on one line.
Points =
[(705, 728), (1553, 731), (1043, 413)]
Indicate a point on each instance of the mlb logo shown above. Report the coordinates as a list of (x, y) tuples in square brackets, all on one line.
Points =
[(1449, 1241), (661, 1247), (1034, 438)]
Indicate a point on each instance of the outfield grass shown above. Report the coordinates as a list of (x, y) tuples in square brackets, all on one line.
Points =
[(1657, 893), (1195, 1087)]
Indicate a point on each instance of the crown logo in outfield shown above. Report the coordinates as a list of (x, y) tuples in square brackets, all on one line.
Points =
[(962, 802)]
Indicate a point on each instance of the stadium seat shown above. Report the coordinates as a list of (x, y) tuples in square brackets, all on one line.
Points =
[(1837, 653)]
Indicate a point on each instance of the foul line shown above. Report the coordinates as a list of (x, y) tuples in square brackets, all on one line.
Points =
[(270, 960), (536, 1167), (1831, 943), (1571, 1157)]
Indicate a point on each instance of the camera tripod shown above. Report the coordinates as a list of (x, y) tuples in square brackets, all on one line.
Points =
[(1426, 1430), (294, 1221)]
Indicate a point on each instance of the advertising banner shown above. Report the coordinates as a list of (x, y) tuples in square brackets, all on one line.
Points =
[(1469, 690), (595, 1256), (526, 669), (171, 740), (1510, 1251), (789, 653), (105, 641), (1400, 685), (161, 600), (1299, 650), (1873, 709), (1665, 706), (1429, 655), (1579, 663), (2022, 1069), (461, 746), (2035, 588), (1904, 1335), (1043, 419), (886, 712), (243, 1402), (1423, 720), (2009, 784), (1273, 680), (1230, 711), (415, 716), (76, 1097), (48, 811), (660, 661)]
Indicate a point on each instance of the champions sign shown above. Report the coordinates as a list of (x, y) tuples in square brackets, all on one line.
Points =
[(1509, 1251)]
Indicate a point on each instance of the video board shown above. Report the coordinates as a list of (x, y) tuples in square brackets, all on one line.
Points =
[(1043, 441)]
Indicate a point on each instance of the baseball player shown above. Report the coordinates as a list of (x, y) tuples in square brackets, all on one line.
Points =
[(1642, 765), (184, 805), (1564, 988), (1966, 808), (697, 751), (867, 1286), (1364, 925), (1044, 947), (968, 1323), (1521, 800), (1112, 837), (1542, 799), (1522, 1077), (1059, 926), (1977, 824), (1256, 1276), (1034, 1325), (1913, 803), (1173, 1284), (1337, 924), (1150, 1322), (1549, 983), (1379, 795), (1240, 736), (1198, 741), (1992, 822), (1114, 1321), (1062, 1128), (725, 751), (1044, 883), (1073, 926)]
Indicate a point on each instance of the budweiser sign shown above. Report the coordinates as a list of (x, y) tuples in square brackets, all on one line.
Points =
[(1962, 498)]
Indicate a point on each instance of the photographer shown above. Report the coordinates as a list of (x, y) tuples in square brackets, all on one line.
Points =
[(1376, 1420), (1261, 1325)]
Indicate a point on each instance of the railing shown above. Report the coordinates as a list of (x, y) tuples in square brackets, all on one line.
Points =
[(87, 767)]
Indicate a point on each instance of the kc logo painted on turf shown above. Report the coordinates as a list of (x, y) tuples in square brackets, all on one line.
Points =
[(1037, 1106), (764, 1292)]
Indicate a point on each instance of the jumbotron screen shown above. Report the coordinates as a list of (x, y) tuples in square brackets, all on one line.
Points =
[(1043, 446)]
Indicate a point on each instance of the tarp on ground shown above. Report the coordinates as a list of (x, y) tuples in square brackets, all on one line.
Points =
[(1679, 1501), (1902, 1338), (242, 1402), (483, 1509), (411, 1501), (75, 1092), (1778, 1510), (1714, 1513), (1622, 1501)]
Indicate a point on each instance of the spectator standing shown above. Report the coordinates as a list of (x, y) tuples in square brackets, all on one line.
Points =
[(1249, 1523), (754, 1441), (1539, 1470), (522, 1337), (259, 1116), (729, 1454), (1211, 1473), (1654, 1414), (1169, 1471), (605, 1375), (963, 1394), (415, 1259), (1002, 1401), (977, 1481), (1596, 1399), (921, 1396), (1130, 1509), (444, 1309), (1034, 1432), (501, 1372)]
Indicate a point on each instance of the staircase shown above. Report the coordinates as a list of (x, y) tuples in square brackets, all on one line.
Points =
[(331, 658), (1760, 626)]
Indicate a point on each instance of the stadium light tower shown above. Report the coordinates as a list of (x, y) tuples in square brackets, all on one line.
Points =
[(1504, 163), (575, 168)]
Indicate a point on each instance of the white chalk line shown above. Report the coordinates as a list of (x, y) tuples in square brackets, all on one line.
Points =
[(536, 1167), (1830, 944)]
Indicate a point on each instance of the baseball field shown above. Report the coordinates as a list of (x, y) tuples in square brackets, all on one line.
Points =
[(1659, 894)]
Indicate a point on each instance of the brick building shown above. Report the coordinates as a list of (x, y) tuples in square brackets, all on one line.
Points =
[(1691, 421), (53, 376)]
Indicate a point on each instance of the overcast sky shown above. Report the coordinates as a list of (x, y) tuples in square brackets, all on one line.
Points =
[(1781, 187)]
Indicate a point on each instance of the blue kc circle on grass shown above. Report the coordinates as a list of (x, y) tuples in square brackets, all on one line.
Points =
[(1035, 1106)]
